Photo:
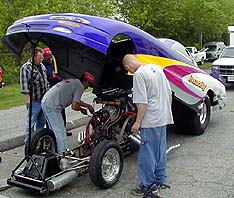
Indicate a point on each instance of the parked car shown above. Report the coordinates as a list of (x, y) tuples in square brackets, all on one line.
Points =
[(214, 50), (180, 49), (199, 56), (224, 65)]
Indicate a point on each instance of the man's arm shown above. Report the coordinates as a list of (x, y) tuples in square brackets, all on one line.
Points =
[(140, 114), (76, 106), (79, 106), (24, 80), (86, 105), (170, 98)]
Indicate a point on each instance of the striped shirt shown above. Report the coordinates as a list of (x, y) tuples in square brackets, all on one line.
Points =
[(40, 82)]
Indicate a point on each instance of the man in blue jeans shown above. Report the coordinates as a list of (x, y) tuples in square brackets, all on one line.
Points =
[(39, 88), (152, 95), (65, 93)]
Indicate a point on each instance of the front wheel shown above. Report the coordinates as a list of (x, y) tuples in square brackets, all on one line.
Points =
[(106, 164), (42, 141)]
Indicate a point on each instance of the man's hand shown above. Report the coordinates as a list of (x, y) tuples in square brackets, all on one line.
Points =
[(83, 111), (27, 98), (86, 105), (140, 114), (91, 109), (135, 127)]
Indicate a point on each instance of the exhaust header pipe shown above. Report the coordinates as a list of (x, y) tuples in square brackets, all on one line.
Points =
[(59, 181), (135, 138)]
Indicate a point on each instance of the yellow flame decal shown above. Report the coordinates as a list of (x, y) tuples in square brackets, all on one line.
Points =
[(160, 61)]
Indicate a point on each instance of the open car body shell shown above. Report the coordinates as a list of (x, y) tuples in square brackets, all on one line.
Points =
[(86, 43)]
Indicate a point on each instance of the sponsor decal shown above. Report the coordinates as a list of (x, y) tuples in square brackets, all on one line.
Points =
[(69, 23), (70, 18), (197, 82)]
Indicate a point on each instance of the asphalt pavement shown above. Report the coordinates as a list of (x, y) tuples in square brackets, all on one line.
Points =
[(201, 168), (12, 123)]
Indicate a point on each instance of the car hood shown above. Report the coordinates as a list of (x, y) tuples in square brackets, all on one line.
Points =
[(84, 43), (92, 31), (224, 61)]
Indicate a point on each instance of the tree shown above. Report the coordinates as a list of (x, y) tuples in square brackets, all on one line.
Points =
[(182, 20)]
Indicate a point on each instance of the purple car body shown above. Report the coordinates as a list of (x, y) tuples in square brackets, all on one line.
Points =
[(95, 44)]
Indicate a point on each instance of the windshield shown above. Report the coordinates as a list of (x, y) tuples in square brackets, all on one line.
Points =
[(211, 47), (189, 49), (228, 53)]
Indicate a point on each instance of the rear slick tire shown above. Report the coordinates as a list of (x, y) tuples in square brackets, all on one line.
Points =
[(187, 121), (201, 120)]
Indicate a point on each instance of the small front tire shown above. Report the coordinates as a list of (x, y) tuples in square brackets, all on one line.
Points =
[(42, 141), (106, 164)]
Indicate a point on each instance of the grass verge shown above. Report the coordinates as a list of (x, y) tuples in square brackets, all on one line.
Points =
[(10, 96), (206, 65)]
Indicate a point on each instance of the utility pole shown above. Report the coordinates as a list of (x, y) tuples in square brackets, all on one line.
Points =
[(201, 39)]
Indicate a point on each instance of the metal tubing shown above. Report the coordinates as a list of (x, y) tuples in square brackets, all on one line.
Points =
[(135, 138), (57, 182), (172, 148)]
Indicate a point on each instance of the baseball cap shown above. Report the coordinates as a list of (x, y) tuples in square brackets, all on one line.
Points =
[(47, 53), (89, 77)]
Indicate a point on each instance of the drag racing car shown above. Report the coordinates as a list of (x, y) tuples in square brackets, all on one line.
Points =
[(88, 43)]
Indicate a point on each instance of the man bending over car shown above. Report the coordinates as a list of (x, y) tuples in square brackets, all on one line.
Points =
[(65, 93)]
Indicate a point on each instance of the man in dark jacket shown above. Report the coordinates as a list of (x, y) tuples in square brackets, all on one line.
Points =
[(39, 86)]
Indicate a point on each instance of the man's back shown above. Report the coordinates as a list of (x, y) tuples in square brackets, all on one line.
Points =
[(151, 87), (63, 93)]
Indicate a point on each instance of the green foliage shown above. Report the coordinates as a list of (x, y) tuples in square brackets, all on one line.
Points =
[(12, 10), (182, 20), (10, 66)]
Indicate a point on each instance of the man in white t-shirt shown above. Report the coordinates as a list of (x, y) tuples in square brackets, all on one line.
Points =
[(63, 94), (152, 95)]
